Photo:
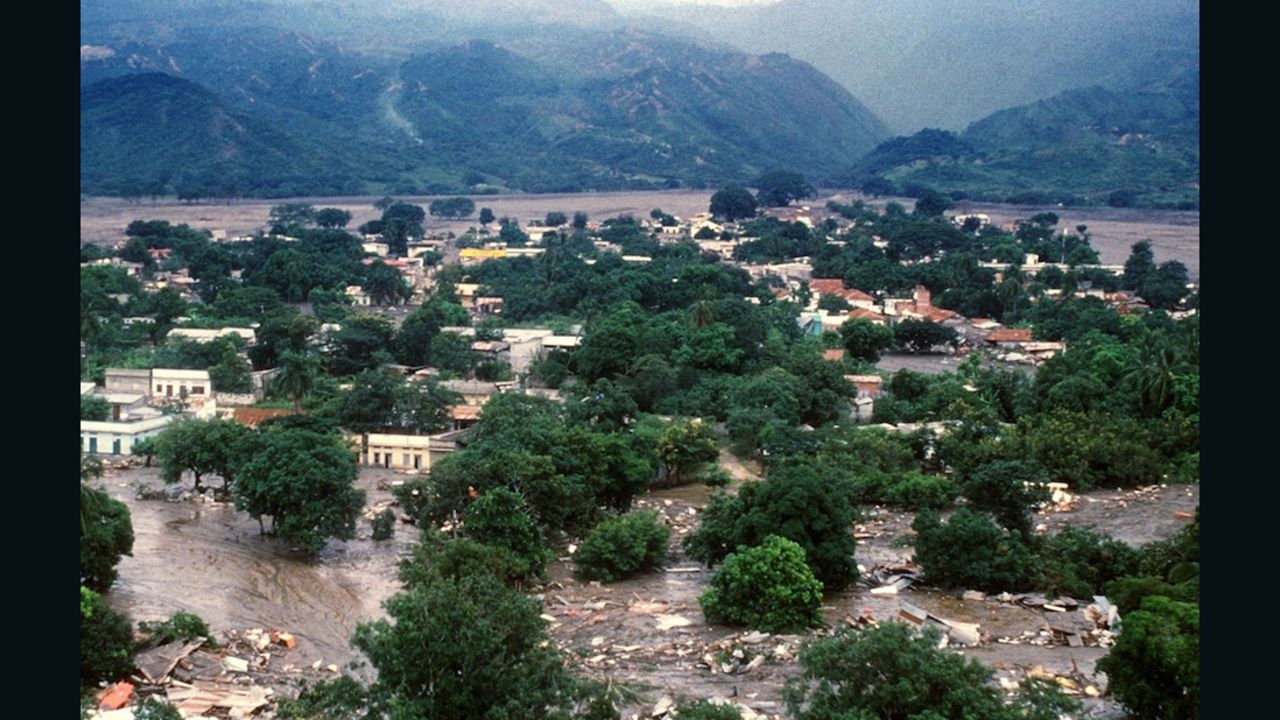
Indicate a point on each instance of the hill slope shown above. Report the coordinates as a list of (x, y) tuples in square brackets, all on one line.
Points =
[(635, 110), (1090, 145)]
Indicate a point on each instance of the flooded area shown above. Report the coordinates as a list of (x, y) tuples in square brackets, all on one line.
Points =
[(646, 633), (1175, 235)]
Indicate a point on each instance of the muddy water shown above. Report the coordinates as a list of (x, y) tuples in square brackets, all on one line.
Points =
[(209, 559)]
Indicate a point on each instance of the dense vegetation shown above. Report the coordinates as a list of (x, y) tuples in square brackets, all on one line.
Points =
[(634, 110)]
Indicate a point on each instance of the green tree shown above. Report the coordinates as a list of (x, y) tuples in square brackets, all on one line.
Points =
[(454, 207), (622, 546), (684, 447), (201, 447), (971, 551), (400, 222), (385, 284), (95, 407), (292, 215), (733, 203), (465, 649), (922, 335), (768, 588), (555, 219), (501, 518), (304, 481), (1000, 488), (106, 533), (1140, 264), (932, 203), (795, 501), (865, 340), (779, 188), (106, 641), (363, 342), (296, 376), (486, 216), (1154, 667), (1165, 287), (891, 672), (579, 220), (332, 218)]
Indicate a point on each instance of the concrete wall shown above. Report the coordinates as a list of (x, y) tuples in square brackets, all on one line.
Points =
[(101, 438)]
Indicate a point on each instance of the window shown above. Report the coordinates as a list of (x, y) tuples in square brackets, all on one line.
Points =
[(377, 458), (405, 459), (197, 389), (159, 388), (417, 462)]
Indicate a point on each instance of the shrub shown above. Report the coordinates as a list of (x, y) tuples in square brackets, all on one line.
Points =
[(1127, 593), (707, 710), (339, 699), (768, 588), (1154, 667), (891, 671), (621, 546), (183, 626), (153, 708), (384, 525), (435, 557), (795, 502), (971, 551), (106, 640), (501, 518), (1078, 562), (916, 490), (105, 535)]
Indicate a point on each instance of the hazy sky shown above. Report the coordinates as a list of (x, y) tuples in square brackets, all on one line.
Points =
[(632, 5)]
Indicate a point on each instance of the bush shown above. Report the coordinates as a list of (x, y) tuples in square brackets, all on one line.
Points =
[(1078, 562), (339, 699), (795, 502), (105, 535), (707, 710), (768, 588), (916, 490), (435, 557), (153, 708), (384, 525), (501, 518), (1127, 593), (891, 671), (621, 546), (106, 641), (1154, 667), (971, 551), (183, 626)]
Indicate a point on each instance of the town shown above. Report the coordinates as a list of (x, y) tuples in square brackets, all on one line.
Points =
[(695, 441)]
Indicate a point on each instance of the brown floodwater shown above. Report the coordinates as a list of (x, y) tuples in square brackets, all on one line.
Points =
[(209, 559)]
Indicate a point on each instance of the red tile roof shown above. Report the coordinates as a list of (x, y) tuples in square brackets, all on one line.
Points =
[(835, 286), (253, 416), (1009, 335)]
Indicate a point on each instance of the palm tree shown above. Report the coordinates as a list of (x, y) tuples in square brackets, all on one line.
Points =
[(296, 375), (1158, 361)]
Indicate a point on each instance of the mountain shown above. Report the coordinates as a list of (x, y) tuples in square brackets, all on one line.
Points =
[(1139, 146), (140, 132), (605, 110), (947, 63)]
